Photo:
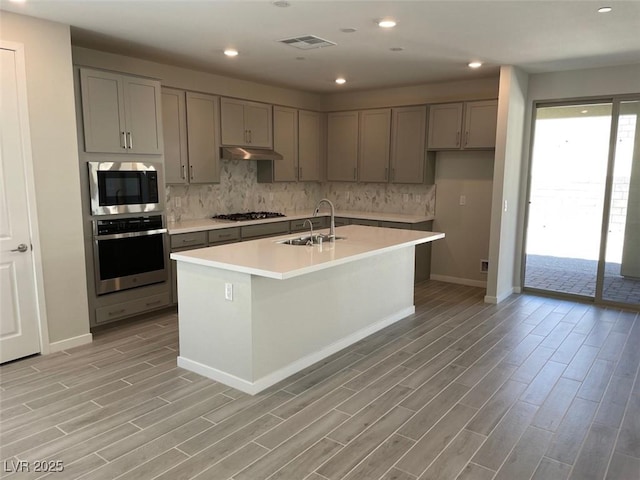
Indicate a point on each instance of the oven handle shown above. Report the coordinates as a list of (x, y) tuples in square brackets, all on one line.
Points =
[(115, 236)]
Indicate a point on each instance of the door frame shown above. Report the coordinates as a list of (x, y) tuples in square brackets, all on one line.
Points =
[(615, 101), (34, 233)]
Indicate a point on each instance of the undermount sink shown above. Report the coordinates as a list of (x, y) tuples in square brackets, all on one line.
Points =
[(308, 240)]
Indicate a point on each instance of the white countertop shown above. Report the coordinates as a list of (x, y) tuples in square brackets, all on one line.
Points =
[(267, 258), (203, 224)]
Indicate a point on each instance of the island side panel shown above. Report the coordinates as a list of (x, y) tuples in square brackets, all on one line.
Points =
[(215, 334), (299, 321)]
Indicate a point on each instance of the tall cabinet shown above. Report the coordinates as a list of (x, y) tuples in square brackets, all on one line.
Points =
[(120, 113), (191, 137), (373, 147), (342, 146), (408, 144)]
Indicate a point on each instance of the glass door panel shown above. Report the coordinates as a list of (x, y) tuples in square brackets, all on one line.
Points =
[(621, 283), (566, 198)]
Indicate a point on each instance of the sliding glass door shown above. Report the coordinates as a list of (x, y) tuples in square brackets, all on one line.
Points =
[(583, 218), (621, 272)]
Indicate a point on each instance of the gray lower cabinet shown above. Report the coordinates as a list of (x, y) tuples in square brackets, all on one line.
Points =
[(364, 221), (129, 309), (251, 232)]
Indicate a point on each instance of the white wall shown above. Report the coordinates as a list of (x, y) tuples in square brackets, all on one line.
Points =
[(483, 88), (457, 257), (506, 184), (54, 146), (178, 77)]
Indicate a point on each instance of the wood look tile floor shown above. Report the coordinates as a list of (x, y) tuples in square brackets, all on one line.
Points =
[(533, 388)]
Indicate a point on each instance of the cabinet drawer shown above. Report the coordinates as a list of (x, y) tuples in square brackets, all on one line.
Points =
[(317, 222), (362, 221), (341, 221), (266, 229), (193, 240), (403, 226), (127, 309), (224, 235)]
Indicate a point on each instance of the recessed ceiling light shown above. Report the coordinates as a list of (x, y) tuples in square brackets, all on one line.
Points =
[(231, 52), (584, 111), (281, 4), (475, 64), (604, 9), (300, 58), (396, 49), (348, 30), (340, 81), (387, 23)]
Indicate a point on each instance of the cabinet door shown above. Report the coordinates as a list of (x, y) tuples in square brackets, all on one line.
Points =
[(342, 146), (480, 124), (258, 122), (143, 119), (285, 142), (103, 115), (174, 131), (373, 151), (232, 122), (309, 146), (445, 122), (408, 129), (202, 123)]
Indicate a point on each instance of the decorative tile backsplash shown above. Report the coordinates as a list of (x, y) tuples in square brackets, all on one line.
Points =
[(239, 191)]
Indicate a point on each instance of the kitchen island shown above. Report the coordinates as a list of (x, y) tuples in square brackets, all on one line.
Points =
[(254, 313)]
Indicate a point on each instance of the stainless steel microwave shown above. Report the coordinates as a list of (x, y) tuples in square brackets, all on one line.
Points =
[(125, 187)]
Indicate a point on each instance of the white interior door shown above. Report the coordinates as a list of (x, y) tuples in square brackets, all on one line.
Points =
[(19, 331)]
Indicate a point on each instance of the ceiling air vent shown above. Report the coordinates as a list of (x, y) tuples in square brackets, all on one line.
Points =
[(307, 42)]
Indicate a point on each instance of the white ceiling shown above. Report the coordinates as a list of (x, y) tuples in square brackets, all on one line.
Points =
[(438, 38)]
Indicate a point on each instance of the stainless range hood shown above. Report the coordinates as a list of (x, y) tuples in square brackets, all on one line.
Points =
[(248, 153)]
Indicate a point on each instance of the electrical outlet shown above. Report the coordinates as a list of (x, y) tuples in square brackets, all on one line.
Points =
[(405, 197), (506, 206), (177, 202), (463, 199), (484, 266), (228, 291)]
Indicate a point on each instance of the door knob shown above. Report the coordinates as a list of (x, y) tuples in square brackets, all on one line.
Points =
[(21, 248)]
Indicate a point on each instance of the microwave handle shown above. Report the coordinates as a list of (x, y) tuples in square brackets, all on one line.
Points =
[(115, 236)]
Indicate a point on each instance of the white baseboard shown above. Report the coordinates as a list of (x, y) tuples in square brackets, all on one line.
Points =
[(70, 343), (501, 297), (459, 281), (265, 382)]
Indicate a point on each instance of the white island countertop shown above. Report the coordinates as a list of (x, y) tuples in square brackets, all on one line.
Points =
[(203, 224), (268, 258)]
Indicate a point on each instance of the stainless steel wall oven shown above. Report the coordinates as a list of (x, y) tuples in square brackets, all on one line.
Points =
[(129, 252), (124, 187)]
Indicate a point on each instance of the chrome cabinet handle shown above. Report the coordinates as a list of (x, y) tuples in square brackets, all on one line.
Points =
[(124, 140), (117, 312), (458, 138), (250, 136), (355, 173), (191, 170), (130, 140), (184, 171), (466, 139), (21, 248), (299, 173)]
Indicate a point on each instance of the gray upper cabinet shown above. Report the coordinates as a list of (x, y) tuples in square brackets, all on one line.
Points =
[(246, 123), (480, 120), (120, 114), (445, 124), (285, 142), (203, 119), (174, 129), (309, 145), (373, 147), (191, 137), (469, 125), (297, 137), (342, 146), (408, 143)]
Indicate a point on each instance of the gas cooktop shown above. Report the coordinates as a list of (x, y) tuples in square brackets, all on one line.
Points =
[(239, 217)]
